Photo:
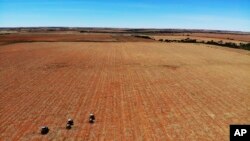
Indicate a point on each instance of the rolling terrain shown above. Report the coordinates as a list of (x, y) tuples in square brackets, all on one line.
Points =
[(137, 90)]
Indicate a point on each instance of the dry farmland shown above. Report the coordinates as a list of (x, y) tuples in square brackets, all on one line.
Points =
[(199, 39), (211, 36), (137, 90)]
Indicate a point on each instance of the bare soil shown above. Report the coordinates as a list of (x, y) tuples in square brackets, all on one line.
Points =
[(68, 37), (137, 90)]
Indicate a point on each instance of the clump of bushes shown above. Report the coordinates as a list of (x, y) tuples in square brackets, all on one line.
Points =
[(167, 40), (188, 40), (245, 46), (212, 42), (143, 36), (220, 43), (232, 45)]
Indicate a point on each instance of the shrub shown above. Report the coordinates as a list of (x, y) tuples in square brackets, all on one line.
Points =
[(232, 45), (245, 46), (220, 42), (188, 40), (167, 40), (142, 36)]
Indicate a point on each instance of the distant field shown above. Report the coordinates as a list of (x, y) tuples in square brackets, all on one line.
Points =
[(238, 37), (137, 90), (68, 37), (177, 37), (213, 36)]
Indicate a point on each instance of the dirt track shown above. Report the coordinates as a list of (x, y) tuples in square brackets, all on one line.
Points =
[(138, 91)]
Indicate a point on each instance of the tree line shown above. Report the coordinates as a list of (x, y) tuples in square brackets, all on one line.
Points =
[(245, 46)]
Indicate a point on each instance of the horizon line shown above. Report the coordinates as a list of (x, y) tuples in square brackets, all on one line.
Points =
[(224, 30)]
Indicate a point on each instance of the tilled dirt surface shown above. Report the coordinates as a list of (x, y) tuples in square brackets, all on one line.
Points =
[(137, 91), (34, 37), (69, 37)]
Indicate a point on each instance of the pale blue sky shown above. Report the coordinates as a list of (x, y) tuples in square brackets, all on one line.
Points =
[(188, 14)]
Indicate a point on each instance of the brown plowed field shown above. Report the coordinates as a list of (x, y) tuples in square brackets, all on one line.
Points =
[(49, 37), (70, 37), (137, 90)]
